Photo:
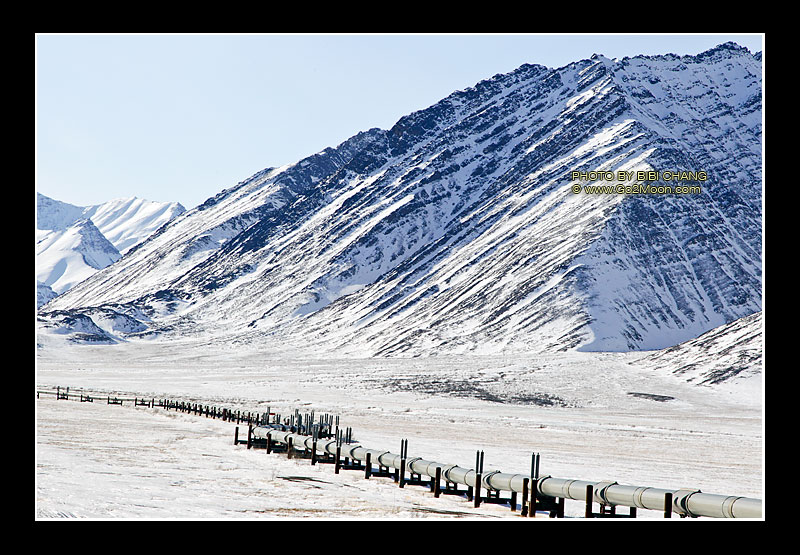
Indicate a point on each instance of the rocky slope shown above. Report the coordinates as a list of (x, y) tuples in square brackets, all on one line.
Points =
[(731, 352), (457, 231)]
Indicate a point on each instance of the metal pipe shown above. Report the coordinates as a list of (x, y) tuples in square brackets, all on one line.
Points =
[(686, 502)]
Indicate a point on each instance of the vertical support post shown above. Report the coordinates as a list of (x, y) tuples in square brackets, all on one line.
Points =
[(523, 510), (589, 495), (313, 451), (338, 459), (236, 436), (403, 455), (513, 501), (437, 485), (633, 512), (269, 443), (368, 466), (249, 436), (289, 448), (478, 477), (668, 505)]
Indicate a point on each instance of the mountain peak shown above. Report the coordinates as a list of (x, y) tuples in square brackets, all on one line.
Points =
[(73, 242), (459, 229), (66, 256), (724, 50)]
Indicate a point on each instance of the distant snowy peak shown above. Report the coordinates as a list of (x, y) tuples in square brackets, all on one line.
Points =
[(53, 214), (125, 221), (97, 251), (65, 257), (128, 221), (73, 242)]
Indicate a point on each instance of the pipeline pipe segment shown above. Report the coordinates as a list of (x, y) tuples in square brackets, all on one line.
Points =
[(685, 501)]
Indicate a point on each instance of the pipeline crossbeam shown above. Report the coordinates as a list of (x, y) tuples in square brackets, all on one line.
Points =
[(684, 501)]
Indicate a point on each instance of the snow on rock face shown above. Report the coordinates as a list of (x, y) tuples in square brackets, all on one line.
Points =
[(729, 353), (44, 293), (457, 230), (106, 325), (65, 257), (79, 328), (124, 222), (127, 222), (73, 242)]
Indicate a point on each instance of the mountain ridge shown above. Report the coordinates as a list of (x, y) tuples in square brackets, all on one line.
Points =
[(375, 246)]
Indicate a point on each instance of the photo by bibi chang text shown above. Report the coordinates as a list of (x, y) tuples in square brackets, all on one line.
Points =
[(627, 188)]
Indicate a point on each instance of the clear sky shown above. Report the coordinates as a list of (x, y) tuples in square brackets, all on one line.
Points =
[(181, 117)]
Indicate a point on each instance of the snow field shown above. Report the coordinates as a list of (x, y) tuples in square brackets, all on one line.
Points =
[(100, 461), (110, 462)]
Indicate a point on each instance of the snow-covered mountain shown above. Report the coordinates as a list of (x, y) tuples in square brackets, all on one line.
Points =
[(457, 231), (65, 257), (73, 242), (731, 352), (126, 222)]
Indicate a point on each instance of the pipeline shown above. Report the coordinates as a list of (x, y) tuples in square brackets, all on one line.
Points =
[(686, 502)]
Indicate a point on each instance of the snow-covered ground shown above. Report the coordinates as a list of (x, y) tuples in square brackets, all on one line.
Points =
[(101, 461)]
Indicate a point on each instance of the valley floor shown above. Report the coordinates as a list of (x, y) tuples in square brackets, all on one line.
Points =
[(591, 416)]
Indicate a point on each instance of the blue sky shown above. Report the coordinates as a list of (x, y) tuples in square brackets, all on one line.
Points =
[(181, 117)]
